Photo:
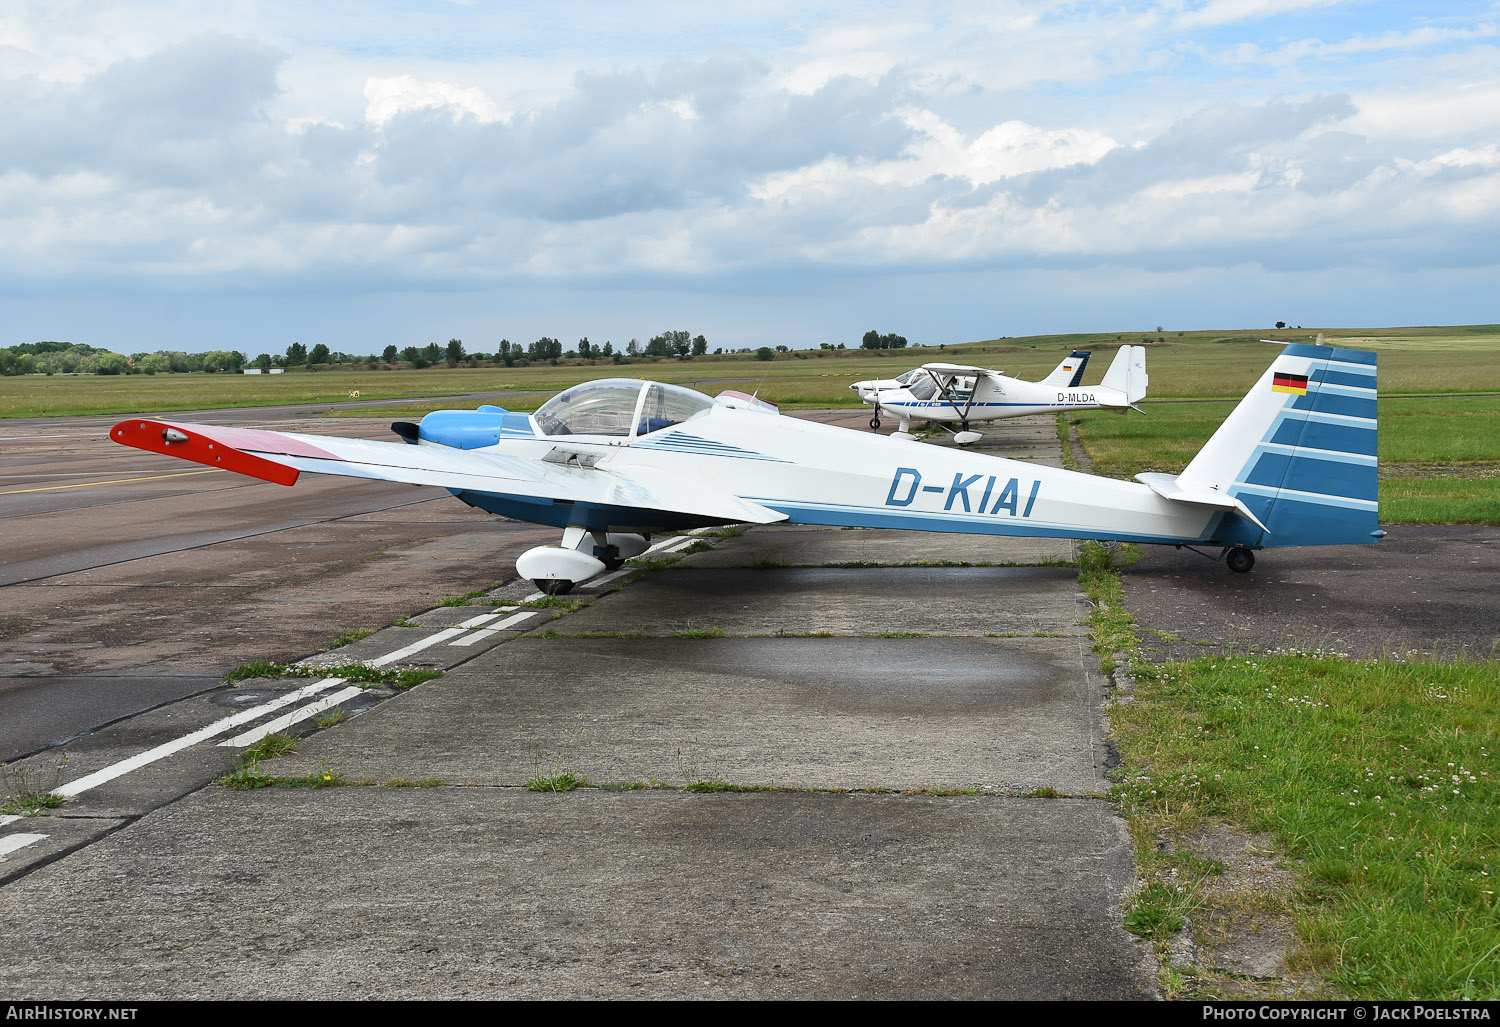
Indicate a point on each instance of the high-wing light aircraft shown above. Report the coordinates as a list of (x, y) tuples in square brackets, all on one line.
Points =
[(958, 394), (1067, 374), (610, 462)]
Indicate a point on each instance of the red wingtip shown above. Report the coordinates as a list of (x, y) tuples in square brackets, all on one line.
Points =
[(187, 444)]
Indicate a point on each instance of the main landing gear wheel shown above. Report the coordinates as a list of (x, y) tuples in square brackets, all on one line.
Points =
[(554, 587), (1239, 560)]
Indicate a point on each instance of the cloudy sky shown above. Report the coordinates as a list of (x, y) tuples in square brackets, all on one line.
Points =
[(248, 173)]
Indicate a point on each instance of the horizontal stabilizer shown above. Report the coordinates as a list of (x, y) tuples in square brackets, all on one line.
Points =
[(1169, 486)]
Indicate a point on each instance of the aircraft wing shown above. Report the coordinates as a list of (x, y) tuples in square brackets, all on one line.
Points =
[(961, 369), (561, 475)]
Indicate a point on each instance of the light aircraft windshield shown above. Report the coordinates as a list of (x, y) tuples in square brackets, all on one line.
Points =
[(620, 407), (924, 389), (665, 405)]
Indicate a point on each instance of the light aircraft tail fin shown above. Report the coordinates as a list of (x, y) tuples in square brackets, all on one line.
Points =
[(1069, 373), (1299, 452), (1126, 376)]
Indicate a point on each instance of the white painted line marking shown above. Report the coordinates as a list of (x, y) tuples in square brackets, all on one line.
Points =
[(474, 622), (166, 749), (479, 636), (9, 818), (415, 647), (255, 734), (11, 843)]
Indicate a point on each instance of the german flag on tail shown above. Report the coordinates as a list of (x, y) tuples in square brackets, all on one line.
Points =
[(1295, 384)]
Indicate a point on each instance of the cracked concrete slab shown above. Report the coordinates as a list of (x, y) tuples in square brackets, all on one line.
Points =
[(843, 601), (1007, 715), (499, 893)]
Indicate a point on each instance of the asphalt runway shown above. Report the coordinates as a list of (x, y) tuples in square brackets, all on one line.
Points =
[(128, 579), (1423, 590)]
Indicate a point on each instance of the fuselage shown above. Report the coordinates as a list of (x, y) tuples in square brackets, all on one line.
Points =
[(821, 474), (967, 400)]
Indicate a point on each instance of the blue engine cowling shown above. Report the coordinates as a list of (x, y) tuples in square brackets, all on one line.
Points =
[(468, 429)]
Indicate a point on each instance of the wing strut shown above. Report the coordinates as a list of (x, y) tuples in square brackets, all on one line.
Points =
[(947, 393)]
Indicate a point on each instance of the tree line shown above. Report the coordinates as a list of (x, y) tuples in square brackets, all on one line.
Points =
[(81, 358)]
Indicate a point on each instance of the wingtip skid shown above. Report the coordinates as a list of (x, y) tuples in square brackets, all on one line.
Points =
[(186, 444)]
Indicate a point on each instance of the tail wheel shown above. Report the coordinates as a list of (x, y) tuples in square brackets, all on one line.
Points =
[(1239, 560)]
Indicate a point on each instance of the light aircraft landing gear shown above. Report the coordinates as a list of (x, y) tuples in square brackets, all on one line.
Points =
[(582, 555), (964, 436), (1239, 560), (875, 421)]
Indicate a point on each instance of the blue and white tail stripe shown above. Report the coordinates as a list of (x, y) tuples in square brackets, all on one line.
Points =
[(1311, 470)]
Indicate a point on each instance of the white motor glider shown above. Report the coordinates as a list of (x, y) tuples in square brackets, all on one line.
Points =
[(609, 462), (959, 394)]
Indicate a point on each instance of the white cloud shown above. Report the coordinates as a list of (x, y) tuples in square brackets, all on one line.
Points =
[(940, 137), (387, 97), (1223, 12)]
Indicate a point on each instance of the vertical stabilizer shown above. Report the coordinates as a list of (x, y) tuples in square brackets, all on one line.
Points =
[(1300, 452), (1127, 374), (1069, 373)]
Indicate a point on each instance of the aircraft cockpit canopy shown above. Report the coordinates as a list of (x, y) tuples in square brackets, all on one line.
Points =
[(923, 388), (624, 407)]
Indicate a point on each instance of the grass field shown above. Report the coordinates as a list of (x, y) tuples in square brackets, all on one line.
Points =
[(1375, 777), (1191, 365), (1375, 782)]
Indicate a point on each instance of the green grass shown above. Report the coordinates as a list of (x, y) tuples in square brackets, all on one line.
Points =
[(1185, 364), (350, 637), (563, 781), (715, 785), (1441, 499), (248, 777), (29, 790), (29, 803), (255, 669), (356, 673), (1377, 777), (278, 743), (1440, 457), (1376, 780)]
